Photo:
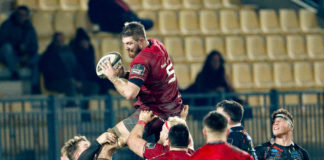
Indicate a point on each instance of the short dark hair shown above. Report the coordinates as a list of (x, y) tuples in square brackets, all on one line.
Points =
[(134, 29), (283, 112), (215, 121), (179, 136), (233, 109)]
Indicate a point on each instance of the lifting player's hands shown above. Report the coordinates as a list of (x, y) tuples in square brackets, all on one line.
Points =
[(109, 71), (146, 116), (106, 137), (184, 112)]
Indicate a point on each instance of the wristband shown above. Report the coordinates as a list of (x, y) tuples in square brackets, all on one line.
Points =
[(141, 123)]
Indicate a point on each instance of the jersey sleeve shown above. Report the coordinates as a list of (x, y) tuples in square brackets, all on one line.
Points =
[(139, 71), (152, 150), (304, 152)]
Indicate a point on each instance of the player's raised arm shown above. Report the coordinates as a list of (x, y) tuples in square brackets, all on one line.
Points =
[(124, 87), (135, 141), (184, 112), (183, 115)]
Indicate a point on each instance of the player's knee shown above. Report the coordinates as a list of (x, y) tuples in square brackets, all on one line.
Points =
[(121, 141), (114, 131)]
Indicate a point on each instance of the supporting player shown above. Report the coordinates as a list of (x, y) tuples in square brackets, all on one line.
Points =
[(237, 137), (148, 150), (178, 140), (215, 129), (73, 148)]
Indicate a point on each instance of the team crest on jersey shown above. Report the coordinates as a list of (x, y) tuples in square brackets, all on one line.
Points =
[(275, 152), (295, 154), (138, 69), (150, 145)]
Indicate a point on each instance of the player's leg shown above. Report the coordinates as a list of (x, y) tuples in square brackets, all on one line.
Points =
[(121, 132)]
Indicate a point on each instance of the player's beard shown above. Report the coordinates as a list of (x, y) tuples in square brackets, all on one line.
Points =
[(135, 51)]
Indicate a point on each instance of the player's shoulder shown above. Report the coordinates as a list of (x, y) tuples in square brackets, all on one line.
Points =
[(155, 41), (302, 150), (153, 146), (239, 152), (264, 145), (155, 47), (202, 151), (153, 149)]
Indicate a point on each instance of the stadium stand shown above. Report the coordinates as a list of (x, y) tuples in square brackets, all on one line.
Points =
[(283, 75), (235, 48), (262, 73), (209, 22), (154, 17), (168, 22), (135, 4), (64, 22), (255, 48), (199, 26), (308, 21), (194, 49), (49, 5), (70, 5), (242, 76), (175, 47), (288, 20), (183, 73), (296, 47), (315, 48), (215, 43), (188, 22), (110, 45), (152, 4), (249, 21), (304, 75), (212, 4), (43, 23), (229, 21), (32, 4), (276, 47), (319, 73), (192, 4), (269, 21)]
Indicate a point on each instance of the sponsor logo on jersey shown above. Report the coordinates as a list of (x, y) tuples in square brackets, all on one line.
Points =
[(150, 145), (138, 69)]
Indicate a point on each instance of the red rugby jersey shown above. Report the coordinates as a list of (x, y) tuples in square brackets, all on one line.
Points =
[(159, 91), (220, 151), (152, 150), (173, 155)]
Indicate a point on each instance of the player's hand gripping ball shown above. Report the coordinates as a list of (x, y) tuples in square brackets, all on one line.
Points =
[(115, 60)]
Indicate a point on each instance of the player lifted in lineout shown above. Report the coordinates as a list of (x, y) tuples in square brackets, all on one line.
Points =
[(151, 80)]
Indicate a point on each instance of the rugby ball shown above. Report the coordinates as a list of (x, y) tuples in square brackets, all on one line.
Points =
[(115, 60)]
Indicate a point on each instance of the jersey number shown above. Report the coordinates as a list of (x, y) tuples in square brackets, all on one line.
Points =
[(171, 73)]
